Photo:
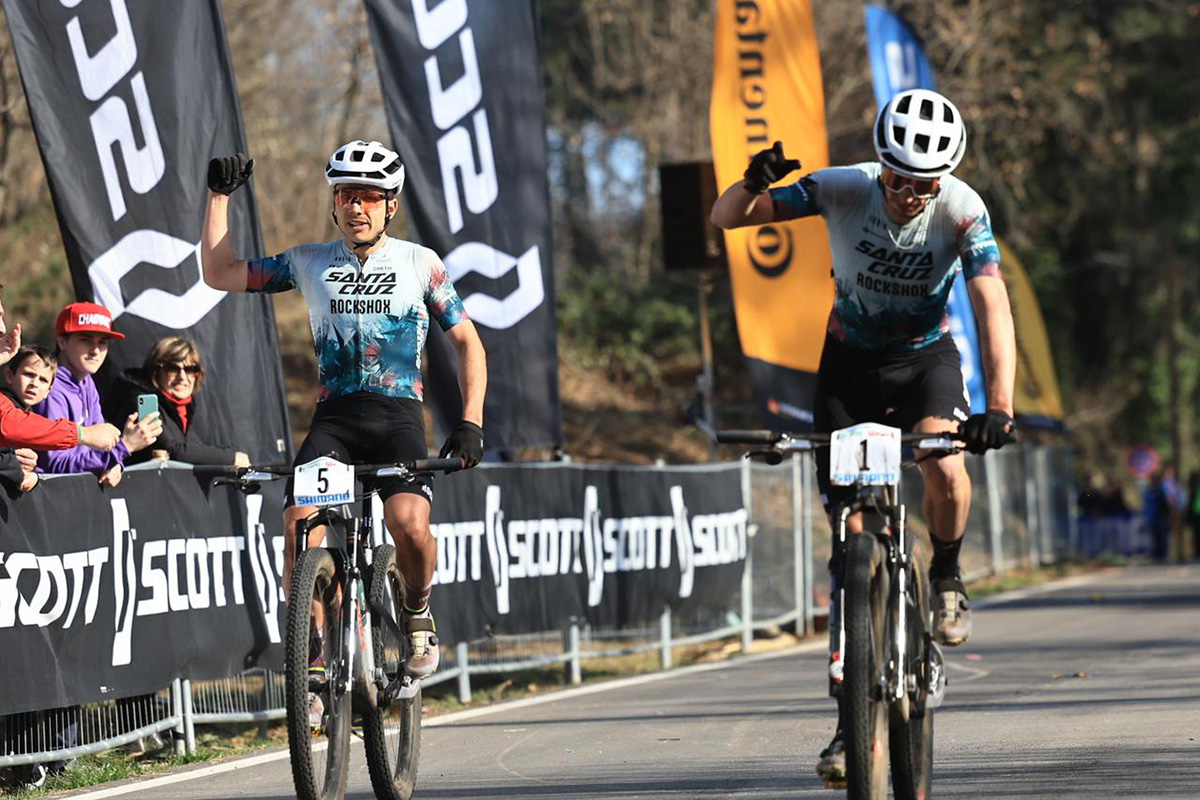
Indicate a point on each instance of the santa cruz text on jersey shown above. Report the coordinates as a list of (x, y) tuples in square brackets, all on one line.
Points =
[(892, 281), (370, 320)]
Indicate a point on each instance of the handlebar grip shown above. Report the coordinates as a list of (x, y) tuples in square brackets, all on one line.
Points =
[(216, 471), (437, 465), (748, 437)]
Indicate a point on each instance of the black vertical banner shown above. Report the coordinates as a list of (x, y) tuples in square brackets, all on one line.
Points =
[(129, 102), (462, 84)]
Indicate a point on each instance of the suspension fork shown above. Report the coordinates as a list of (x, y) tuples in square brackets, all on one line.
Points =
[(899, 598), (837, 628)]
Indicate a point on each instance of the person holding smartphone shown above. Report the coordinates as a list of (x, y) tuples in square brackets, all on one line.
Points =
[(169, 382), (84, 331)]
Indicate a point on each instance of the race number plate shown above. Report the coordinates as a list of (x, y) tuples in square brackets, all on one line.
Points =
[(323, 481), (865, 455)]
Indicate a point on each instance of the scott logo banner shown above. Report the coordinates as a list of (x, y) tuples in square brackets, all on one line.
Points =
[(118, 592), (462, 85), (126, 130)]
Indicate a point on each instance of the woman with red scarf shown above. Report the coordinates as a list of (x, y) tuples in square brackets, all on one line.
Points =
[(174, 371)]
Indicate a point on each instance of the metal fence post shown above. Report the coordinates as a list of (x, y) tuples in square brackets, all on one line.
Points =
[(574, 665), (993, 472), (1041, 467), (748, 572), (464, 676), (189, 721), (1032, 492), (1072, 520), (664, 637), (178, 737), (800, 599), (806, 531)]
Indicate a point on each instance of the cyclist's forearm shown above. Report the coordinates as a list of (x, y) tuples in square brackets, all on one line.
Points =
[(472, 376), (997, 339), (216, 247), (737, 207)]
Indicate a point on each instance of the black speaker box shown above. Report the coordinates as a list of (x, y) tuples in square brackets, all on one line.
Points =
[(687, 192)]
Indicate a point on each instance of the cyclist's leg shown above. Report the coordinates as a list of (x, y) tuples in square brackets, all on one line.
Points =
[(847, 393), (321, 440), (934, 400), (406, 509)]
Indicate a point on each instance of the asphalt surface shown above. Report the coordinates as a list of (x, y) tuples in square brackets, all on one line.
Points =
[(1086, 691)]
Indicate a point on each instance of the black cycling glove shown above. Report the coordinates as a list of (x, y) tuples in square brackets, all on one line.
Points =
[(466, 443), (767, 167), (988, 431), (227, 174)]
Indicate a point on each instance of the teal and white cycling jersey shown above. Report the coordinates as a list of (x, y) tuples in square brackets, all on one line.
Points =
[(892, 282), (369, 321)]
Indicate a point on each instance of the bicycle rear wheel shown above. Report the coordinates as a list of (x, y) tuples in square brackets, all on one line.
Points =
[(865, 710), (912, 739), (392, 731), (319, 757)]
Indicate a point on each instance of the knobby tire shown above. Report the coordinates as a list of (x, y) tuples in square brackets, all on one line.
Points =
[(865, 711), (392, 734), (912, 739), (318, 774)]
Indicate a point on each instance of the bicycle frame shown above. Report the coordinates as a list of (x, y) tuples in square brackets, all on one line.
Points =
[(355, 656)]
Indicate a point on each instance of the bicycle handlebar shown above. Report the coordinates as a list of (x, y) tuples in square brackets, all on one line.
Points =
[(268, 473), (805, 441)]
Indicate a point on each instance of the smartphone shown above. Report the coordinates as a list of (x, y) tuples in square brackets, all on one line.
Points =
[(147, 405)]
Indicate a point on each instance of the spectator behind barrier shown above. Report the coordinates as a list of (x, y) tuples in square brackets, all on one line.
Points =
[(29, 376), (174, 371), (21, 429), (84, 331)]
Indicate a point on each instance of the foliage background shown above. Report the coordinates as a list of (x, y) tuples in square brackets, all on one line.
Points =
[(1084, 137)]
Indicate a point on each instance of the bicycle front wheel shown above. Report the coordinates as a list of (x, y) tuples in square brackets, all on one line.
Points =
[(912, 738), (865, 710), (392, 730), (318, 715)]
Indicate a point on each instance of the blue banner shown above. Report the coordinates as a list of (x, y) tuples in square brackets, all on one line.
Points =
[(898, 64)]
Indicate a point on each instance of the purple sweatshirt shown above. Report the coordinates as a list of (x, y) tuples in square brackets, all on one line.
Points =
[(79, 402)]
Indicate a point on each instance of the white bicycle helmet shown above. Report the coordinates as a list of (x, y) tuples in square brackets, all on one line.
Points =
[(367, 163), (920, 134)]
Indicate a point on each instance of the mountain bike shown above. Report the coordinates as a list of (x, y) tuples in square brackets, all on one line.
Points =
[(883, 660), (348, 582)]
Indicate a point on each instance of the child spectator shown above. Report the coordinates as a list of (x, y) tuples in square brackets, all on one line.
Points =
[(84, 331), (21, 429), (175, 372), (29, 377)]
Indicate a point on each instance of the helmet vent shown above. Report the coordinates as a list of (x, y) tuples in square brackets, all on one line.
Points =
[(902, 105), (377, 157), (339, 155), (921, 143), (898, 133), (356, 155), (926, 109), (943, 143)]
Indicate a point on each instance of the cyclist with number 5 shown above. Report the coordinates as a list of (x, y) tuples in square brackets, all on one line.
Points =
[(900, 231), (370, 298)]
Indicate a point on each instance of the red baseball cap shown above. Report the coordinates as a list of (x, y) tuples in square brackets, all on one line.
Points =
[(85, 318)]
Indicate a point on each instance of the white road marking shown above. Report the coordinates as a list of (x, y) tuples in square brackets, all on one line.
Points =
[(565, 694)]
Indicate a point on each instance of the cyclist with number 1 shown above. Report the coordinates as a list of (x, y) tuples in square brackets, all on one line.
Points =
[(370, 299), (900, 231)]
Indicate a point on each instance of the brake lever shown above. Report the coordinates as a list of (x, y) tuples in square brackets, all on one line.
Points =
[(768, 455)]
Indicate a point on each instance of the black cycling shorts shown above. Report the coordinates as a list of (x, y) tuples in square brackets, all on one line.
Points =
[(369, 428), (897, 389)]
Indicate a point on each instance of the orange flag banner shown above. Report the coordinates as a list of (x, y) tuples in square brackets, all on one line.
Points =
[(767, 87)]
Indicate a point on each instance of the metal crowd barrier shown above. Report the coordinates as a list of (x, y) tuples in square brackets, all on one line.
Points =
[(1022, 514)]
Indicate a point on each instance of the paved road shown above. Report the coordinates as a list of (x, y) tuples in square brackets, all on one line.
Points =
[(1088, 691)]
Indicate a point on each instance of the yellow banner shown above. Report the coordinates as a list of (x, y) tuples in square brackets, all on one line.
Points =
[(767, 87), (1036, 392)]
